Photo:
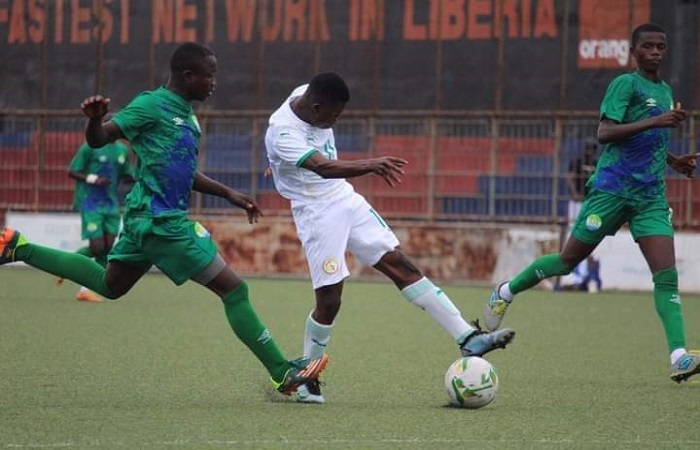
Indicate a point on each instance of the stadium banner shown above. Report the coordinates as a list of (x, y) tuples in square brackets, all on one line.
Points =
[(450, 252), (554, 54)]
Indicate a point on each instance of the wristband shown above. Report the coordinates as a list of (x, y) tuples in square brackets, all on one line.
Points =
[(91, 178)]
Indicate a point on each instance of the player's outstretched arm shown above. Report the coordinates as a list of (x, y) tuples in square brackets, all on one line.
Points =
[(388, 167), (206, 185)]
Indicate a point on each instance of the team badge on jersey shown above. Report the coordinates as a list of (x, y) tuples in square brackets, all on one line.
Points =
[(593, 222), (200, 231), (330, 266)]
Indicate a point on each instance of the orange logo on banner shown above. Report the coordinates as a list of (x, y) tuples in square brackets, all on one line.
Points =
[(605, 27)]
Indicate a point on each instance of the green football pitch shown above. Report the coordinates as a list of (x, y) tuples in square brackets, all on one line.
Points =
[(160, 369)]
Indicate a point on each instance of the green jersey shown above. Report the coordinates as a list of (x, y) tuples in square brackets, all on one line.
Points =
[(110, 161), (164, 133), (634, 168)]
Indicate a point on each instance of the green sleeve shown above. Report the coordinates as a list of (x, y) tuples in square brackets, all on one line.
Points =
[(617, 99), (138, 116), (81, 160)]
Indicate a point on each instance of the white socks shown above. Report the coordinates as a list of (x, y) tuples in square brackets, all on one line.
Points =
[(425, 295), (316, 338), (504, 292), (676, 354)]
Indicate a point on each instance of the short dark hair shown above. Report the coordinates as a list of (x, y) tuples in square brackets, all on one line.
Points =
[(188, 56), (645, 28), (328, 87)]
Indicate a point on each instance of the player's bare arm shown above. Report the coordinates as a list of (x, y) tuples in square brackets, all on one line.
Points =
[(388, 167), (206, 185), (99, 133), (611, 131)]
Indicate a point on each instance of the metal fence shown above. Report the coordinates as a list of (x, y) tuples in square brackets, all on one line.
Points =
[(467, 166)]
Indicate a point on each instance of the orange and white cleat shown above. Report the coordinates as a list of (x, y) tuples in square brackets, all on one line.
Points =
[(86, 295), (9, 241)]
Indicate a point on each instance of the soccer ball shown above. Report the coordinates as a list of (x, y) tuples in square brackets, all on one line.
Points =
[(471, 382)]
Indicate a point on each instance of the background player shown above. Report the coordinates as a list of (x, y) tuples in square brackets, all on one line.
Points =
[(97, 172)]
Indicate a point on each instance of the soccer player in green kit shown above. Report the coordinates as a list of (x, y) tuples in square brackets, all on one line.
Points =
[(164, 133), (628, 186), (97, 172)]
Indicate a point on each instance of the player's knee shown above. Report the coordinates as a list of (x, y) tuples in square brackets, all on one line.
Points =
[(236, 295), (666, 279)]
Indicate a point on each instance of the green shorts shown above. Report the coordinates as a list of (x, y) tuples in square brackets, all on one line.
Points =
[(96, 224), (180, 248), (602, 214)]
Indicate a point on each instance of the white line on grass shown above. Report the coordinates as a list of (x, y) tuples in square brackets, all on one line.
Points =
[(305, 442)]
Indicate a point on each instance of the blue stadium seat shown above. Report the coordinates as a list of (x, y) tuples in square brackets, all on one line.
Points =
[(349, 143), (15, 140), (228, 151), (534, 164)]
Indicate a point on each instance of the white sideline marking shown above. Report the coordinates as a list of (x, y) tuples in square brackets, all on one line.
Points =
[(284, 442)]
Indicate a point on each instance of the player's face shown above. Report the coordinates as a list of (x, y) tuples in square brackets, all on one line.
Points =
[(202, 81), (650, 50), (327, 114)]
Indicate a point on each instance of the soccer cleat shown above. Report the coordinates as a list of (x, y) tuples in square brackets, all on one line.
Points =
[(686, 366), (495, 309), (481, 342), (9, 241), (301, 371), (86, 295), (311, 392)]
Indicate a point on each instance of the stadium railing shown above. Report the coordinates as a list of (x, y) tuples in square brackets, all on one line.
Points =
[(508, 167)]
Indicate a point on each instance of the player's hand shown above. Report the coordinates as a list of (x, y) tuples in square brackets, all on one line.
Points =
[(671, 119), (685, 164), (102, 181), (247, 204), (95, 107), (390, 168), (268, 172)]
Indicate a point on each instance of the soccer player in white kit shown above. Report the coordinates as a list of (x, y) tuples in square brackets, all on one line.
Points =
[(331, 218)]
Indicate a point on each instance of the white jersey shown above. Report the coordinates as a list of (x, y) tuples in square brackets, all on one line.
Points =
[(290, 141)]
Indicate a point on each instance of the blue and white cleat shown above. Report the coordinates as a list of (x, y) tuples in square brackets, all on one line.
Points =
[(481, 342), (686, 366)]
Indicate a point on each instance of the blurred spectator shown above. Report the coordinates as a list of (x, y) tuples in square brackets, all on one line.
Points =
[(580, 169)]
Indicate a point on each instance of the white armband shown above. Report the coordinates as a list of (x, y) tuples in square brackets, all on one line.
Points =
[(91, 178)]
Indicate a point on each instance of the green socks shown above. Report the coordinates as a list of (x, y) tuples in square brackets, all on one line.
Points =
[(668, 307), (246, 324), (85, 251), (72, 266), (101, 259), (543, 267)]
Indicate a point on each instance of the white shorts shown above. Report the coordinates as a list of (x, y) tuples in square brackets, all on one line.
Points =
[(328, 229)]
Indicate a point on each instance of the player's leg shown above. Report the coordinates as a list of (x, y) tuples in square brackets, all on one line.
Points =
[(68, 265), (601, 214), (420, 291), (184, 250), (96, 249), (323, 231), (653, 230)]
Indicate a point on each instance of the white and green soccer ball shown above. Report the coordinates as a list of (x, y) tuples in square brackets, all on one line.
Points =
[(471, 382)]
